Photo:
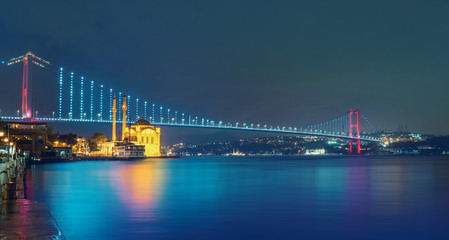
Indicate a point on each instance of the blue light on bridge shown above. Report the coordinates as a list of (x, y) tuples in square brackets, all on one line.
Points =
[(60, 93), (119, 109), (168, 115), (160, 115), (91, 100), (152, 114), (110, 104), (128, 103), (145, 109), (82, 99), (71, 96), (101, 102), (137, 108), (3, 62)]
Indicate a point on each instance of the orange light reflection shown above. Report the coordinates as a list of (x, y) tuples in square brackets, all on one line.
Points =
[(139, 187)]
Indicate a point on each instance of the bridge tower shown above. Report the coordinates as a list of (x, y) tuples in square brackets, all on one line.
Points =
[(26, 93), (354, 126)]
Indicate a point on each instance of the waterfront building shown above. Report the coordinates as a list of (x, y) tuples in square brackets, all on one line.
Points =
[(81, 147), (144, 134), (29, 137), (140, 139)]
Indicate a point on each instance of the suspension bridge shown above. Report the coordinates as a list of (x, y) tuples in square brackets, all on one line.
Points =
[(81, 100)]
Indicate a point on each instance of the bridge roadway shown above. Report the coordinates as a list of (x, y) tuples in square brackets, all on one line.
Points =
[(215, 126)]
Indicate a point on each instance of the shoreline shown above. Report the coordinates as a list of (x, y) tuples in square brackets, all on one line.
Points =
[(23, 218)]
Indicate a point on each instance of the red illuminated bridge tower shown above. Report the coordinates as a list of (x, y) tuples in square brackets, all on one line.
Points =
[(355, 135), (26, 92)]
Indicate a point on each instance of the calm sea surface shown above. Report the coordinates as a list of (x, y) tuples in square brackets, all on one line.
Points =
[(248, 198)]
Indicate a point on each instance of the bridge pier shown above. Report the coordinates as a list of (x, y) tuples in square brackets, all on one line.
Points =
[(351, 143)]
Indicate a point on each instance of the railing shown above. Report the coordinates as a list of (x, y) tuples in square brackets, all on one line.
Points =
[(9, 169)]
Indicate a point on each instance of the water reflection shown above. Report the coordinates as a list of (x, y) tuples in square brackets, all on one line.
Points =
[(248, 198), (138, 186), (386, 189)]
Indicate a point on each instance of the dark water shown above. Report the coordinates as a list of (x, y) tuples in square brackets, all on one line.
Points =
[(248, 198)]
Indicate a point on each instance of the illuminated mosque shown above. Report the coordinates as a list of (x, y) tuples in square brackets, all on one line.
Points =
[(140, 134)]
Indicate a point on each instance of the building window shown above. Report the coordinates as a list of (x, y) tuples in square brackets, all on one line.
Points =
[(152, 140)]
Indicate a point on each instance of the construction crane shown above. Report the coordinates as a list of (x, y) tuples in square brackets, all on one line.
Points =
[(26, 102)]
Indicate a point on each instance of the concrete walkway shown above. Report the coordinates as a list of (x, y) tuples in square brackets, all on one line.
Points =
[(25, 219)]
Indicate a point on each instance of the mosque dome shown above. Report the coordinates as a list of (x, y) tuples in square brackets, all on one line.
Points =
[(142, 122)]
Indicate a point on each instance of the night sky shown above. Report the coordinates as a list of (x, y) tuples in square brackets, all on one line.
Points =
[(287, 63)]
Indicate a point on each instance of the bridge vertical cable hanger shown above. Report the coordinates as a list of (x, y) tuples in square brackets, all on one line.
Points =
[(82, 98), (168, 115), (145, 109), (91, 100), (128, 116), (160, 115), (60, 93), (110, 104), (152, 114), (120, 104), (101, 103), (137, 109), (26, 92), (71, 96)]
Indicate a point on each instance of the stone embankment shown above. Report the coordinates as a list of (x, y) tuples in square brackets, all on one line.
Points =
[(22, 218)]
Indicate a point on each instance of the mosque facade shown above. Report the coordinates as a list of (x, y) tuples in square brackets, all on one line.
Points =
[(141, 133)]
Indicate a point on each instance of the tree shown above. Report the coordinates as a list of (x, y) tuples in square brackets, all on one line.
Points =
[(97, 139), (69, 138)]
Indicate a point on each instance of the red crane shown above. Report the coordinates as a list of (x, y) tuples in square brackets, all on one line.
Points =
[(26, 102)]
